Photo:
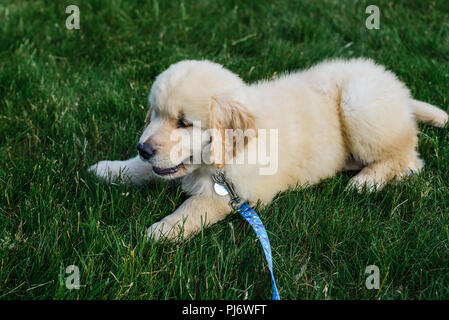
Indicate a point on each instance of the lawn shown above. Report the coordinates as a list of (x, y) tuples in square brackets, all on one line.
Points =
[(69, 98)]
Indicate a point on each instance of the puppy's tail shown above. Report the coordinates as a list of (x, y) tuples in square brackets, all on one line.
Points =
[(426, 112)]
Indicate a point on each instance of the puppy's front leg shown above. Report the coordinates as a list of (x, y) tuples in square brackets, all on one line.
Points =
[(133, 171), (195, 212)]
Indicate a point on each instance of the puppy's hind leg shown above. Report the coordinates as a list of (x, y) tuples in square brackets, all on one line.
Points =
[(379, 127), (134, 170), (375, 175)]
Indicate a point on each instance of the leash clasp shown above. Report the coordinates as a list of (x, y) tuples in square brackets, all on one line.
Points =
[(219, 178)]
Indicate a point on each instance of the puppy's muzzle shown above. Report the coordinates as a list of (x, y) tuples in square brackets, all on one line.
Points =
[(146, 150)]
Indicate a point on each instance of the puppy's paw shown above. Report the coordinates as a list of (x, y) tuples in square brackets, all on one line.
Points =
[(441, 120), (164, 230), (107, 170), (363, 182)]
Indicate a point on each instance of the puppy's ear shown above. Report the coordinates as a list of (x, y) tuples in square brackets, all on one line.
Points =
[(231, 126), (148, 117)]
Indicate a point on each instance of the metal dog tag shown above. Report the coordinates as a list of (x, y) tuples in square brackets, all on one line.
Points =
[(220, 189)]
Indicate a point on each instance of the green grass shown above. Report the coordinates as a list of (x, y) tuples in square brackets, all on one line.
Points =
[(69, 98)]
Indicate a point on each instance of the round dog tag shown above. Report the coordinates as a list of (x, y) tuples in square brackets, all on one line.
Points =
[(220, 189)]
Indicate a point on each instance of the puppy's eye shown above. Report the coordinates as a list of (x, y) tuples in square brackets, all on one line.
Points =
[(183, 123), (148, 118)]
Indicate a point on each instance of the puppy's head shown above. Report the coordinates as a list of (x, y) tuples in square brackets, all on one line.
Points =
[(188, 100)]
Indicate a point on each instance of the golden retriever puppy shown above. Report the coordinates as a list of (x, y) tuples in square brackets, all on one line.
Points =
[(295, 130)]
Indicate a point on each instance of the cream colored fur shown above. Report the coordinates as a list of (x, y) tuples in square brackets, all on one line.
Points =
[(338, 115)]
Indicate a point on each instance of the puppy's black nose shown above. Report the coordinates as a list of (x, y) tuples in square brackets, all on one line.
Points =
[(146, 150)]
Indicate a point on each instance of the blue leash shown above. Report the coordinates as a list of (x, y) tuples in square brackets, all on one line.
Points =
[(254, 220), (223, 187)]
